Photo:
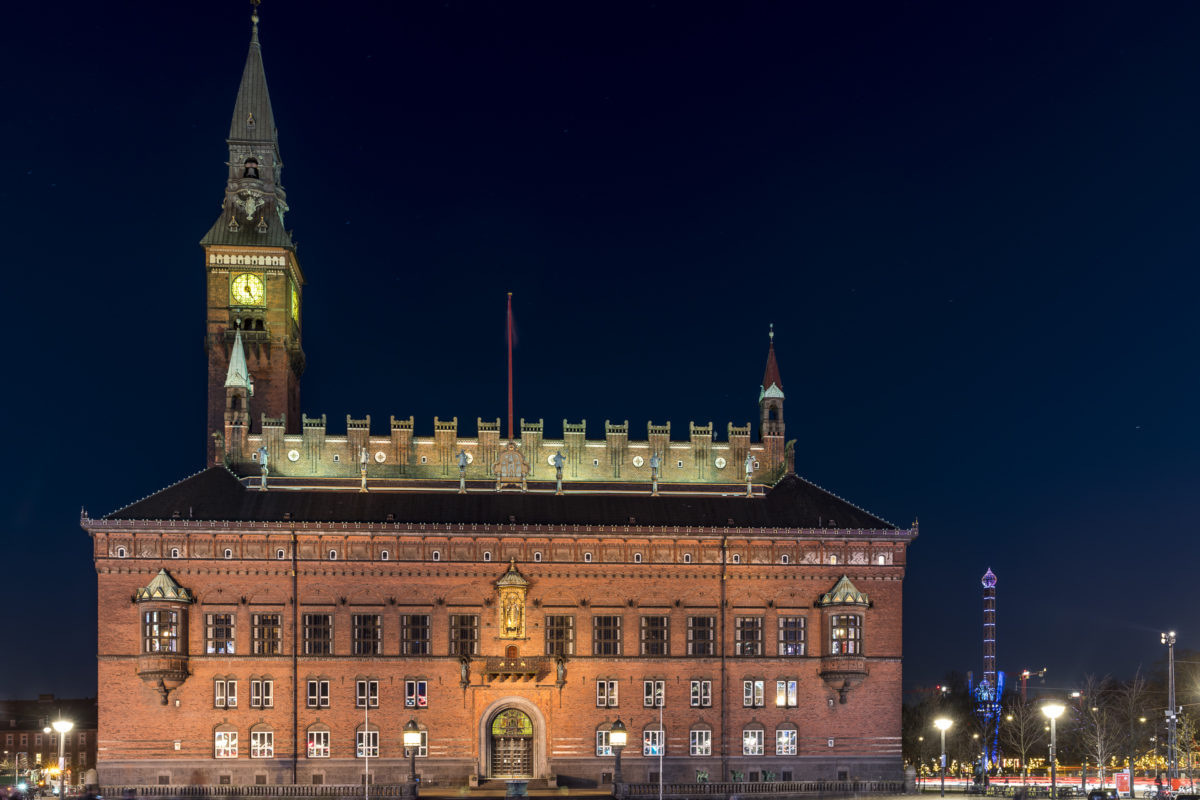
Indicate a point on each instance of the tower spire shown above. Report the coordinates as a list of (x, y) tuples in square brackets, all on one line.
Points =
[(770, 394)]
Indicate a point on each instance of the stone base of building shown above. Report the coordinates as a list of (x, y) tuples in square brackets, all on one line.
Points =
[(445, 772)]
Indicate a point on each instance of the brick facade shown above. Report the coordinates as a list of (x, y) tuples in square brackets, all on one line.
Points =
[(243, 611)]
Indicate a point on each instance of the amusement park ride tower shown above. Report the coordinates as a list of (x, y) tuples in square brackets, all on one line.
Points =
[(990, 689)]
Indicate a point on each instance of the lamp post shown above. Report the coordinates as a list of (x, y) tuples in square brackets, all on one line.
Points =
[(63, 727), (617, 737), (942, 724), (1053, 711), (1172, 757), (412, 740)]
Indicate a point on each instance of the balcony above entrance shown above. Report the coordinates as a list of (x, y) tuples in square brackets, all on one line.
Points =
[(518, 668)]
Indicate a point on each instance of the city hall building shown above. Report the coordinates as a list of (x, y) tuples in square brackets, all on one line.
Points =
[(282, 615)]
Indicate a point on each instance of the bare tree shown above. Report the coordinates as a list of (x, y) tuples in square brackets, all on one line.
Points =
[(1131, 701), (1187, 737), (1022, 731), (1100, 728)]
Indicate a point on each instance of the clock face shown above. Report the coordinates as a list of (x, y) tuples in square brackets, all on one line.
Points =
[(295, 308), (247, 290)]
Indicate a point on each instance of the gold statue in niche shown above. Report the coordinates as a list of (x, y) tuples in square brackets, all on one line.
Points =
[(512, 587)]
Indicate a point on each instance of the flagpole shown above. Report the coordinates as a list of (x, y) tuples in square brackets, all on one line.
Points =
[(510, 385)]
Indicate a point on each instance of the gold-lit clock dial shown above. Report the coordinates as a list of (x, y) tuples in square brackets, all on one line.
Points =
[(247, 290)]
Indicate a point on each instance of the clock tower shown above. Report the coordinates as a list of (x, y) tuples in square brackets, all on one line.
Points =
[(254, 281)]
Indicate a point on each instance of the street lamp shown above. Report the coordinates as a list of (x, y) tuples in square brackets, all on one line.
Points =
[(942, 724), (63, 726), (412, 740), (617, 737), (1172, 759), (1053, 711)]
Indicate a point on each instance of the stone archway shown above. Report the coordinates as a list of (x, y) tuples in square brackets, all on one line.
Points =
[(536, 740)]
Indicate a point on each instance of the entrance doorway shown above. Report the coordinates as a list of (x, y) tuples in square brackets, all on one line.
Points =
[(512, 744)]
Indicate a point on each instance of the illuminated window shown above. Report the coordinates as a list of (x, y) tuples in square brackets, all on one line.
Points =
[(266, 634), (653, 693), (752, 742), (262, 744), (606, 694), (416, 694), (603, 747), (785, 742), (653, 742), (318, 744), (700, 743), (845, 635), (160, 632), (785, 694), (753, 694), (701, 694), (367, 744), (225, 744)]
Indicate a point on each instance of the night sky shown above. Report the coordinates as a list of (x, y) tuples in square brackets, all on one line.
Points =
[(973, 226)]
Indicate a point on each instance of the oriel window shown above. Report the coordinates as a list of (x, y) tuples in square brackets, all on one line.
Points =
[(845, 633), (160, 632)]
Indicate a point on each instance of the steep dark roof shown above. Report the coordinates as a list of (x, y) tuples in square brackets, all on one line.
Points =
[(217, 495)]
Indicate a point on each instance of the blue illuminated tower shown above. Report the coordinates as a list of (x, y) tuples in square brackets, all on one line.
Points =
[(991, 688)]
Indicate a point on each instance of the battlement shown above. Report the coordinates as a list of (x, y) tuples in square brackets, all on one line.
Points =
[(403, 453)]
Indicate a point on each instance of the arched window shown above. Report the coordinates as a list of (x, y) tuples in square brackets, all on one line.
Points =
[(262, 742), (437, 555), (587, 558), (258, 325), (654, 740), (687, 558), (785, 740), (250, 168), (783, 559), (228, 553), (700, 741), (487, 555), (737, 558), (366, 742), (225, 742), (637, 558), (833, 559), (772, 414), (333, 555), (537, 557), (752, 740), (383, 555), (318, 741), (235, 403), (280, 554), (174, 552), (882, 560), (120, 552)]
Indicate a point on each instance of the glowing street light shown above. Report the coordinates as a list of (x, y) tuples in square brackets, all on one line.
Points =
[(618, 736), (63, 727), (942, 724), (412, 740), (1053, 711), (1172, 758)]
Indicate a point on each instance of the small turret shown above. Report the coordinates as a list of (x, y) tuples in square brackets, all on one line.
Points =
[(771, 404), (239, 388)]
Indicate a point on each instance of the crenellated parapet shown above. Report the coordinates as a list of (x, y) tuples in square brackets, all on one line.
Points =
[(403, 453)]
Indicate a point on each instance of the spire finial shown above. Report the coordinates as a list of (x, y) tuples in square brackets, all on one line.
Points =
[(771, 333), (254, 21)]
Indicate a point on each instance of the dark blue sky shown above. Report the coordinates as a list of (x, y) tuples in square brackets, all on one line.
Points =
[(973, 227)]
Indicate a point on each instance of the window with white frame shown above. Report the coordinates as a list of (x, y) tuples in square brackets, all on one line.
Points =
[(318, 694), (785, 693), (785, 742), (603, 746), (224, 693), (700, 743), (653, 693), (653, 742), (225, 744), (367, 744), (701, 694), (262, 744), (752, 742), (160, 632), (753, 694), (845, 634), (606, 694), (318, 744), (422, 748), (262, 693), (416, 693), (366, 694)]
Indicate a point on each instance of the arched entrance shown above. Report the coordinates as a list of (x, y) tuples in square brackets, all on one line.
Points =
[(511, 732)]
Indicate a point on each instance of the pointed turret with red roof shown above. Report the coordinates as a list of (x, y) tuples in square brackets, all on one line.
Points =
[(770, 395)]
